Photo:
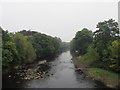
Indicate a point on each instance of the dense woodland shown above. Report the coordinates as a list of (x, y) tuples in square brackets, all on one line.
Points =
[(26, 47), (100, 48)]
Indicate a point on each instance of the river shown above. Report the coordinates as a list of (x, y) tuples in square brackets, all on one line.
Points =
[(62, 75)]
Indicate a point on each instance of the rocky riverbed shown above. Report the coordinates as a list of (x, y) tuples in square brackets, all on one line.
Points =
[(34, 71), (59, 73)]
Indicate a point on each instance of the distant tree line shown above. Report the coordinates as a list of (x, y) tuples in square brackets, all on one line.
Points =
[(100, 48), (25, 47), (65, 46)]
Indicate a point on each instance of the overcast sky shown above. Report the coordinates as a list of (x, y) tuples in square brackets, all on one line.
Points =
[(57, 19)]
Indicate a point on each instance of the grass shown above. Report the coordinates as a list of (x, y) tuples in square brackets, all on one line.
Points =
[(96, 71), (110, 79), (103, 73)]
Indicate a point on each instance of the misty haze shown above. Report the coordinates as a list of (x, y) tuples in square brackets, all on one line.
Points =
[(60, 45)]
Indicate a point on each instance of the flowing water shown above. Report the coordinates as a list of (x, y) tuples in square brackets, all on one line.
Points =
[(62, 74)]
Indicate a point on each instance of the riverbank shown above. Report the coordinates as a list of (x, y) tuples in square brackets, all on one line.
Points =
[(61, 74), (36, 70), (110, 79)]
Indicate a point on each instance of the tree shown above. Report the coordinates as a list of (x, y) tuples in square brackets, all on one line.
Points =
[(45, 46), (26, 52), (92, 55), (114, 56), (9, 53), (82, 40), (107, 32), (5, 36), (57, 43), (104, 52), (27, 33)]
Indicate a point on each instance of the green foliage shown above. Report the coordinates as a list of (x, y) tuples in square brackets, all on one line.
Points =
[(92, 55), (57, 44), (90, 58), (5, 36), (24, 47), (107, 32), (9, 53), (114, 56), (45, 46), (26, 53), (81, 41), (105, 50)]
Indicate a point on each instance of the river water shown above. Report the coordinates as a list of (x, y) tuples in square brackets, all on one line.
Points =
[(62, 75)]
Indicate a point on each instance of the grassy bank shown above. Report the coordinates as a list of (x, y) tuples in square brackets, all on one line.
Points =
[(110, 79)]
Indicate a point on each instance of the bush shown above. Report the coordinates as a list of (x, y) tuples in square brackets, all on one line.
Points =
[(92, 55)]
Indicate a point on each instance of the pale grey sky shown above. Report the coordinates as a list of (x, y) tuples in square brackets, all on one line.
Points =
[(57, 19)]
